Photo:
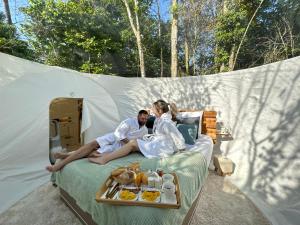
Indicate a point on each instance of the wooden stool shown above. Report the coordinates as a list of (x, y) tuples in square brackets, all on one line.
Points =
[(223, 165)]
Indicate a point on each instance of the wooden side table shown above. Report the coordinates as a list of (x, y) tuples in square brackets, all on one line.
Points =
[(209, 124)]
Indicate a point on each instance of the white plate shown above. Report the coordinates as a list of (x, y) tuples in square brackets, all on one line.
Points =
[(118, 197), (144, 200)]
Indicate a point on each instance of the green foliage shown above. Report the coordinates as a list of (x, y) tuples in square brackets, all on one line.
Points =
[(74, 34), (95, 35), (230, 28), (152, 46), (10, 42), (174, 9), (269, 37), (90, 36)]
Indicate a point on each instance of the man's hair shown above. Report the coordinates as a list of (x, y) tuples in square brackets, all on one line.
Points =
[(143, 112)]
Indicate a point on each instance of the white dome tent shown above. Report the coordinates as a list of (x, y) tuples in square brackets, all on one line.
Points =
[(261, 106)]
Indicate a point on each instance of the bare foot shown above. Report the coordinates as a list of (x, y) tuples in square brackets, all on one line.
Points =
[(60, 155), (52, 168), (99, 160)]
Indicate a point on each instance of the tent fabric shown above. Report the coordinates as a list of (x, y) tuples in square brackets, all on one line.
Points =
[(259, 106)]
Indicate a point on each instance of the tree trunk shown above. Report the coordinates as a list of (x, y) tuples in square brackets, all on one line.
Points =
[(160, 41), (186, 21), (194, 62), (161, 63), (186, 46), (136, 31), (7, 12), (292, 42), (139, 42), (174, 31), (141, 54), (223, 10), (187, 58), (222, 67), (232, 57), (244, 35), (194, 47)]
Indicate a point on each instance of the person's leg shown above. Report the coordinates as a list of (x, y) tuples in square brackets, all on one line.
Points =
[(97, 154), (94, 154), (61, 155), (78, 154), (131, 146)]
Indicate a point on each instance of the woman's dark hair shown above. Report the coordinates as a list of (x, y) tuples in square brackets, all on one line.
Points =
[(164, 107)]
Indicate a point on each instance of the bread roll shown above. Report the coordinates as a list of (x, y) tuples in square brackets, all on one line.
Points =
[(126, 177), (118, 171)]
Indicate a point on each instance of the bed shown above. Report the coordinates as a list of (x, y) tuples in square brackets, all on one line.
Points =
[(80, 180)]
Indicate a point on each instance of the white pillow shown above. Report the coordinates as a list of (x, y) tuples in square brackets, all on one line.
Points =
[(194, 114)]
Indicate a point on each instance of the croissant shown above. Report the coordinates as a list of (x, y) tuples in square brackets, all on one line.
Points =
[(126, 177), (118, 171)]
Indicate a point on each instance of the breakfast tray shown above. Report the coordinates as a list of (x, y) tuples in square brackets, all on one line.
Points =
[(100, 197)]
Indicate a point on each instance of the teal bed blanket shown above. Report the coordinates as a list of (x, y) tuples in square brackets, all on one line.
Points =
[(82, 179)]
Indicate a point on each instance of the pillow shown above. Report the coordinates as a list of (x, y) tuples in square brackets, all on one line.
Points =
[(192, 118), (193, 122), (189, 132), (189, 114)]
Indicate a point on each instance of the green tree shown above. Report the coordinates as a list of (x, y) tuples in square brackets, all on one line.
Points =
[(272, 34), (91, 36), (10, 42), (231, 24), (74, 34)]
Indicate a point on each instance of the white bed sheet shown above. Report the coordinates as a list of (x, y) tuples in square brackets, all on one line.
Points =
[(203, 144)]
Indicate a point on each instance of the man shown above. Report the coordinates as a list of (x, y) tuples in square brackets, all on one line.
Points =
[(129, 129)]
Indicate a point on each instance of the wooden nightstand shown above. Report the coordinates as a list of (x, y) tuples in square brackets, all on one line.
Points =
[(209, 124)]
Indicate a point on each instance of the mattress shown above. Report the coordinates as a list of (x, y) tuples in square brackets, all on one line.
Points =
[(81, 180), (203, 144)]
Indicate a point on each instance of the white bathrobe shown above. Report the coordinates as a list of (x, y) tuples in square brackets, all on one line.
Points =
[(128, 128), (165, 141)]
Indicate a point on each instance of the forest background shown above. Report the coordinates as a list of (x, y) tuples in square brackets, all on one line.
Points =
[(151, 38)]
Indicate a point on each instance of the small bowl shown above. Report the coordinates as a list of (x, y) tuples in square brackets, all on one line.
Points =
[(168, 188), (167, 177)]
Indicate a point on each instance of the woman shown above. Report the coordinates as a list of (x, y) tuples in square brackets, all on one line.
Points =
[(165, 141)]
